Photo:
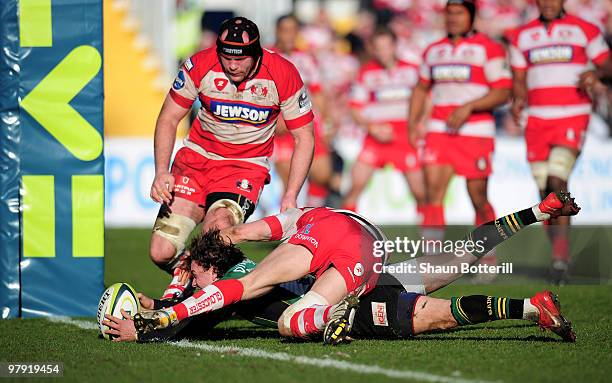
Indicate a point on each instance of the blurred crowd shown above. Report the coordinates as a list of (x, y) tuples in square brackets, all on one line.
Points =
[(417, 23)]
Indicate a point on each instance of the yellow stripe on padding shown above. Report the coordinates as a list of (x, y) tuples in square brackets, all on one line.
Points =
[(510, 224), (35, 23), (504, 309), (87, 216), (38, 215), (518, 227), (461, 311)]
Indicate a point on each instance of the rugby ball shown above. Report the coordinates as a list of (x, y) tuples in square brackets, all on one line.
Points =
[(117, 297)]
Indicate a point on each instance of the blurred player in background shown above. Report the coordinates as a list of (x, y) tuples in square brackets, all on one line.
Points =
[(379, 99), (218, 176), (468, 76), (551, 58), (287, 31)]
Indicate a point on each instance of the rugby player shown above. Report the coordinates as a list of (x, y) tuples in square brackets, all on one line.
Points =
[(309, 314), (219, 174), (551, 59), (467, 75), (287, 30), (378, 104)]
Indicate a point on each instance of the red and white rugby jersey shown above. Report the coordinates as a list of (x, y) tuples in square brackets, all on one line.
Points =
[(238, 123), (285, 224), (462, 73), (381, 94), (554, 58), (306, 66)]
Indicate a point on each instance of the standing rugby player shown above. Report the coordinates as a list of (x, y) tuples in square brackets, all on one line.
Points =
[(218, 176), (378, 104), (468, 76), (551, 59), (287, 31)]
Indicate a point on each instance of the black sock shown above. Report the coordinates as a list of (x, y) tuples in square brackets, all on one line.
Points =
[(495, 232), (472, 309)]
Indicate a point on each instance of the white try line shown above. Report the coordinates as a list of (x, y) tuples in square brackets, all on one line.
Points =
[(297, 359)]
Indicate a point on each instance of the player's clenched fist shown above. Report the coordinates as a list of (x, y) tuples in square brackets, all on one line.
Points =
[(161, 190)]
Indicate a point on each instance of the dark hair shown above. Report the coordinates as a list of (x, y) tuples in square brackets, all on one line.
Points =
[(382, 30), (288, 16), (470, 5), (209, 251)]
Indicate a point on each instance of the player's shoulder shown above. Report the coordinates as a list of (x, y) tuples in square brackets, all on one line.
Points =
[(529, 25), (403, 63), (370, 66), (440, 43), (437, 43), (240, 269), (276, 65), (589, 28), (493, 47), (203, 61)]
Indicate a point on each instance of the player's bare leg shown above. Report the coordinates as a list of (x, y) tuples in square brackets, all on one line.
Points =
[(174, 223), (493, 233), (320, 174), (438, 314), (559, 166), (318, 179), (161, 249), (437, 178), (361, 174), (477, 190), (558, 231), (282, 169), (286, 263), (309, 315), (416, 183), (442, 314)]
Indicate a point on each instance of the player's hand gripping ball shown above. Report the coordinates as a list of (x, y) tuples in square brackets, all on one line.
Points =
[(117, 297)]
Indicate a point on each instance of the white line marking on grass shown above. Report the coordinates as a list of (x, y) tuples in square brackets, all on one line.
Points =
[(82, 324), (297, 359)]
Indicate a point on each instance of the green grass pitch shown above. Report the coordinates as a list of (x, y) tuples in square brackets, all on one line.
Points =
[(238, 351)]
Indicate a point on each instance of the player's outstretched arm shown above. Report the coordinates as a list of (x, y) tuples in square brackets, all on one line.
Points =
[(252, 231)]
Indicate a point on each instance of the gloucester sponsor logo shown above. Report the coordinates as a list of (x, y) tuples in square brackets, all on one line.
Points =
[(392, 93), (451, 73), (379, 314), (240, 113), (554, 54), (217, 297)]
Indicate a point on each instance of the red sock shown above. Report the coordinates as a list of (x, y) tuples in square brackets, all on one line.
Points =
[(310, 320), (486, 215), (317, 194), (433, 216), (420, 210), (175, 286), (212, 297), (561, 248)]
